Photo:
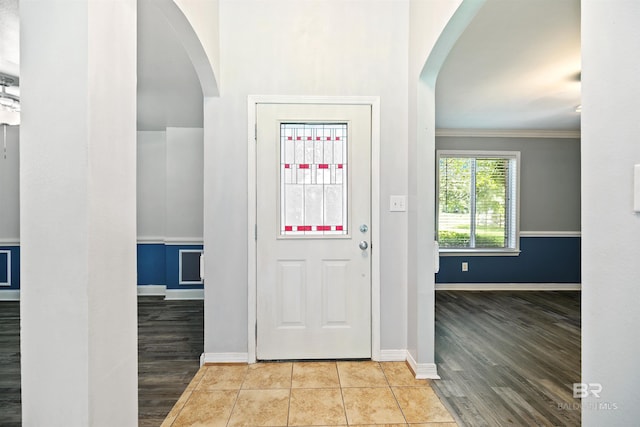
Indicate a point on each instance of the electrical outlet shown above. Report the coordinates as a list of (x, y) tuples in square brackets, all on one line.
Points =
[(465, 266)]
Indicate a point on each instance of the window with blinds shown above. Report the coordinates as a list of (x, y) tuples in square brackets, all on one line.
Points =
[(478, 200)]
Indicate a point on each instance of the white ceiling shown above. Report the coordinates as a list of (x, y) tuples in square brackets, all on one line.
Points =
[(515, 67), (9, 38), (169, 92)]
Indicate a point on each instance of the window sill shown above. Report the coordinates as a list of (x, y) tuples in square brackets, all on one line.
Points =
[(479, 252)]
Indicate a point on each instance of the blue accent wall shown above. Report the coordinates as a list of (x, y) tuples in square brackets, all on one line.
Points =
[(159, 264), (541, 260), (152, 264), (15, 267)]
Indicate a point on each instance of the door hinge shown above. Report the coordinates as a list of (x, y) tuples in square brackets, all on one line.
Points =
[(255, 232), (255, 132), (256, 329)]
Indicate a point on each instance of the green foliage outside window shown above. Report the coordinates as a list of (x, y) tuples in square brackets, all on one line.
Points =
[(473, 202)]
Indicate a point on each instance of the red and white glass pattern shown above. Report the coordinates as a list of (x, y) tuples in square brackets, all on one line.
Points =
[(313, 179)]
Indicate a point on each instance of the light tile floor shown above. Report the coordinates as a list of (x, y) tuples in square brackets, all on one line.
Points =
[(308, 394)]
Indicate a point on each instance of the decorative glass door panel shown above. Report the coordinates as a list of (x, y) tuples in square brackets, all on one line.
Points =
[(313, 179)]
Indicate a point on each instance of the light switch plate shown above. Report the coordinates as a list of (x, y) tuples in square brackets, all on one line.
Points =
[(397, 203)]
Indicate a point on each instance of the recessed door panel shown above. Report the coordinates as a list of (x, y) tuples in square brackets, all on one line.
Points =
[(291, 301), (335, 293)]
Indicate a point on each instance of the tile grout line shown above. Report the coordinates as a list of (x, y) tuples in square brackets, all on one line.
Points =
[(344, 405), (190, 394), (237, 396), (406, 422), (389, 376), (290, 390)]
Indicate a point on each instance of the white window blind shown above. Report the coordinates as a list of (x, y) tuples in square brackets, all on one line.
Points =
[(477, 200)]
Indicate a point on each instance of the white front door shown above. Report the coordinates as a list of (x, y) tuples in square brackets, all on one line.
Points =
[(313, 238)]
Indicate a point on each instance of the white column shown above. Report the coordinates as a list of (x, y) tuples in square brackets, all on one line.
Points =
[(610, 227), (78, 212)]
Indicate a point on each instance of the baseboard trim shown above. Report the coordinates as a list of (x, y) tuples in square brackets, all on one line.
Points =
[(143, 290), (170, 294), (399, 355), (508, 286), (152, 290), (423, 371), (10, 295), (184, 294), (420, 370), (223, 358)]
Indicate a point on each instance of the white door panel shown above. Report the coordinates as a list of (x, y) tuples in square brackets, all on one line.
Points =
[(313, 193)]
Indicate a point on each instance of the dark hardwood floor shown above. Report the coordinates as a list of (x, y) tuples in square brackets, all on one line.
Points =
[(505, 358), (170, 341), (10, 364), (509, 358)]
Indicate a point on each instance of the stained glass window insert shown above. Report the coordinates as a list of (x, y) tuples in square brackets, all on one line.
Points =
[(313, 179)]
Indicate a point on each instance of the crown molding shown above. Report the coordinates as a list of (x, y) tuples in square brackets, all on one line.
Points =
[(509, 133)]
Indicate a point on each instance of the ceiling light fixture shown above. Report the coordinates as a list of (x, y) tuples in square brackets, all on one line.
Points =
[(9, 107), (8, 101)]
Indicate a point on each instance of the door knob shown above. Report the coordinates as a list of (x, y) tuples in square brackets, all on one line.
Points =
[(363, 245)]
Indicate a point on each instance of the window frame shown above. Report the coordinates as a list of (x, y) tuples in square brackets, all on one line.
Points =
[(514, 235)]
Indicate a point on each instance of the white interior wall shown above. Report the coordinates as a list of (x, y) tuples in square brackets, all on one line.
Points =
[(288, 47), (204, 47), (151, 185), (184, 184), (10, 187), (170, 185), (169, 91), (610, 228)]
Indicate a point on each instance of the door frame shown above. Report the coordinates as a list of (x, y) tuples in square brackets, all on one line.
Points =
[(252, 247)]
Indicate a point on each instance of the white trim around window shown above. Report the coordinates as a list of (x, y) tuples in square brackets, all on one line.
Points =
[(512, 216)]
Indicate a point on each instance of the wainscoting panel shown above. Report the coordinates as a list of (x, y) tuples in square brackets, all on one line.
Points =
[(158, 265), (543, 259)]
